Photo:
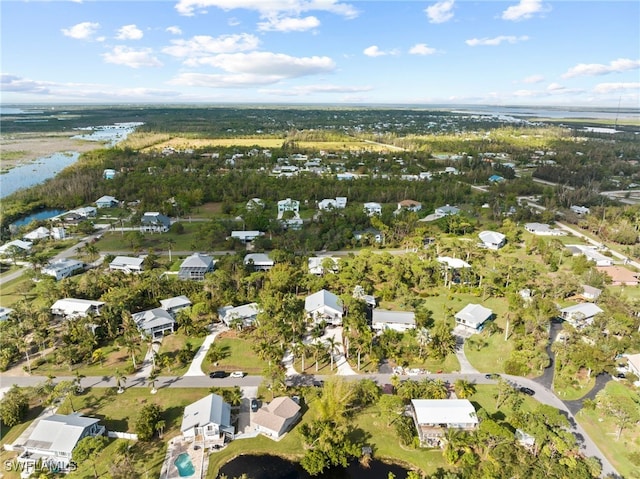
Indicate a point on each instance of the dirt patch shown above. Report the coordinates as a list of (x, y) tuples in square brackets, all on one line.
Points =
[(21, 148)]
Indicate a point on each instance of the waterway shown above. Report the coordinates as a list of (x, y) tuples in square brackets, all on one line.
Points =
[(39, 215), (273, 467)]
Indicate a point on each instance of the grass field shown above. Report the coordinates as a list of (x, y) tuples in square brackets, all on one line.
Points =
[(239, 355)]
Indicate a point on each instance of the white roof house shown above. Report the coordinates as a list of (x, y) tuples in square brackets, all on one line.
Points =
[(196, 266), (154, 322), (5, 313), (433, 417), (246, 236), (128, 264), (320, 265), (246, 314), (37, 234), (454, 263), (175, 304), (473, 316), (542, 229), (492, 239), (580, 210), (372, 233), (62, 268), (72, 308), (591, 253), (53, 439), (86, 211), (446, 210), (107, 202), (288, 205), (259, 261), (209, 417), (277, 417), (340, 202), (633, 363), (396, 320), (580, 315), (372, 208), (23, 246), (58, 233), (324, 306)]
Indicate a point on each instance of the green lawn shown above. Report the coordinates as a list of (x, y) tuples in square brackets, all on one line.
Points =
[(117, 240), (603, 432), (489, 358), (173, 343), (239, 355)]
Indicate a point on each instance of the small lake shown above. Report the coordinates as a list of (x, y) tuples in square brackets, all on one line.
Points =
[(35, 172), (273, 467), (40, 215)]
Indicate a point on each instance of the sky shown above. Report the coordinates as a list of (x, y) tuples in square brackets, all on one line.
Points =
[(369, 52)]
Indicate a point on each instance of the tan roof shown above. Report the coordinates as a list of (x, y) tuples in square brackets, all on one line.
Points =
[(618, 274), (409, 203), (273, 415)]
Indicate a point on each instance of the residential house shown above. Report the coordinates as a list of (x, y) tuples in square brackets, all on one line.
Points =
[(396, 320), (175, 304), (71, 308), (319, 265), (340, 202), (543, 229), (359, 293), (154, 322), (196, 266), (22, 247), (473, 316), (5, 313), (324, 306), (633, 364), (107, 202), (37, 234), (372, 208), (409, 205), (620, 276), (492, 239), (154, 222), (453, 263), (580, 315), (127, 264), (580, 210), (434, 417), (446, 210), (288, 205), (591, 253), (209, 419), (244, 315), (53, 440), (246, 236), (255, 204), (86, 212), (277, 417), (590, 293), (371, 233), (346, 176), (455, 270), (108, 174), (58, 233), (63, 268), (259, 261)]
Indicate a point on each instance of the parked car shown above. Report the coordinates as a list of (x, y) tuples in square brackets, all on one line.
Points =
[(254, 405), (492, 376), (237, 374), (529, 392), (217, 374)]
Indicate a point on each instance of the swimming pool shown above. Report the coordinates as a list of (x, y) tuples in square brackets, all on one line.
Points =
[(184, 465)]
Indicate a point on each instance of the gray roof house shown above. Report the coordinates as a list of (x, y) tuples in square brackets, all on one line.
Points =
[(196, 266), (277, 417), (128, 264), (396, 320), (107, 202), (175, 304), (154, 322), (259, 261), (209, 417), (446, 210), (473, 316), (155, 222), (580, 315), (324, 306), (246, 314), (492, 239), (53, 439)]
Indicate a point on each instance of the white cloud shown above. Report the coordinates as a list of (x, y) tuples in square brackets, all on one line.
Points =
[(440, 12), (121, 55), (533, 79), (422, 49), (593, 69), (202, 45), (223, 81), (474, 42), (555, 87), (312, 89), (82, 31), (173, 30), (274, 65), (289, 24), (129, 32), (374, 51), (524, 10), (616, 87), (13, 83), (269, 8)]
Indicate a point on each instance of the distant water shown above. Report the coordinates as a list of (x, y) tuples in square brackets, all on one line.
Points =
[(40, 215), (111, 134), (546, 112), (6, 110), (35, 172)]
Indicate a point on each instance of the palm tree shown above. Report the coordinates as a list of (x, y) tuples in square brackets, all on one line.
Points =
[(464, 389), (331, 346), (153, 378), (170, 242), (234, 397), (160, 425), (120, 381), (318, 348), (97, 356), (77, 382)]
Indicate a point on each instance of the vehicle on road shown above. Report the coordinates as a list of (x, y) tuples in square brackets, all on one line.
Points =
[(237, 374), (527, 391), (217, 374), (254, 405), (492, 376)]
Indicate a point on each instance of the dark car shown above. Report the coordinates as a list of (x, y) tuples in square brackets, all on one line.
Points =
[(318, 383), (218, 374), (254, 405), (492, 376), (529, 392)]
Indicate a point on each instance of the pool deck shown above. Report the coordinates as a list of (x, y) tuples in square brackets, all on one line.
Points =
[(177, 446)]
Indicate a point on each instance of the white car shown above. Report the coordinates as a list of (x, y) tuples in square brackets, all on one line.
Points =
[(237, 374)]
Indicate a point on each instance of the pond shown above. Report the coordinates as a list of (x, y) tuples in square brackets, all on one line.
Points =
[(39, 215), (273, 467)]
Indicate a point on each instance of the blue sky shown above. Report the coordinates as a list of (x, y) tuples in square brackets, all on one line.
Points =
[(520, 52)]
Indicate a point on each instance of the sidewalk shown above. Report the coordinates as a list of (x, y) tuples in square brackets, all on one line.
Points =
[(196, 365)]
